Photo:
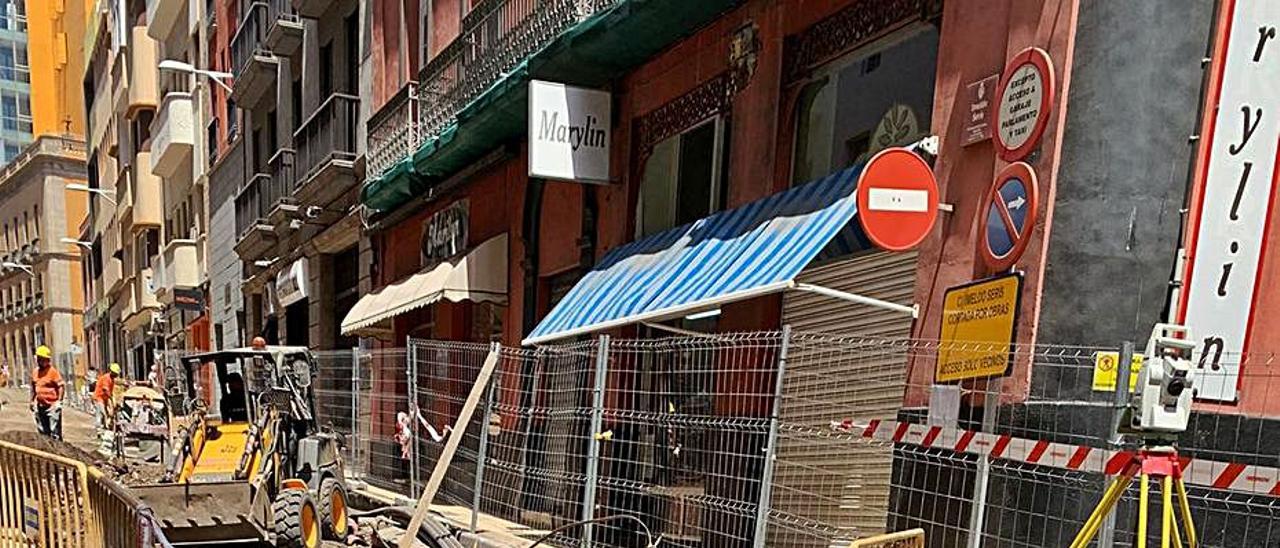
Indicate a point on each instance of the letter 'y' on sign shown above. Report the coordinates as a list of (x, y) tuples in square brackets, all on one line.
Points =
[(569, 132), (1234, 187)]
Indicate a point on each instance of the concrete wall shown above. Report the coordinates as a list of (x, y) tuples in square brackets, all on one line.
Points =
[(225, 269)]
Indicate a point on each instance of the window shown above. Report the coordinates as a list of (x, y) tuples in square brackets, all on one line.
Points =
[(233, 123), (326, 70), (683, 178), (864, 103), (352, 28), (13, 15)]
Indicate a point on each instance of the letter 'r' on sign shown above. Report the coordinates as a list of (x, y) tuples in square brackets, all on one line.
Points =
[(570, 129)]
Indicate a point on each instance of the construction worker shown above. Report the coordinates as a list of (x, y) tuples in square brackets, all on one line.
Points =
[(47, 391), (104, 396)]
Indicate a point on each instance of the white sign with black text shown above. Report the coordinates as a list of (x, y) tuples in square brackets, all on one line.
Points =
[(1226, 248), (569, 132)]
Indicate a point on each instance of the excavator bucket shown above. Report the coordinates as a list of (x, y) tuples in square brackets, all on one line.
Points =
[(200, 513)]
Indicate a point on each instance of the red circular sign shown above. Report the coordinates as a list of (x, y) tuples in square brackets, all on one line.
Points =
[(1023, 102), (1008, 216), (897, 199)]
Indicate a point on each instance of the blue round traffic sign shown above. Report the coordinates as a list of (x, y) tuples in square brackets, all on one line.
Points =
[(1009, 214)]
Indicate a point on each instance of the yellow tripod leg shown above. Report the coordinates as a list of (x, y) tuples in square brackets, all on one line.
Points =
[(1144, 486), (1166, 512), (1186, 513), (1108, 503)]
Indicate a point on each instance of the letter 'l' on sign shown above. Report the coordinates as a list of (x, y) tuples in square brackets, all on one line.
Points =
[(569, 132), (1232, 196)]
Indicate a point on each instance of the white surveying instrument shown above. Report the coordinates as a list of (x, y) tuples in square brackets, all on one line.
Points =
[(1166, 384)]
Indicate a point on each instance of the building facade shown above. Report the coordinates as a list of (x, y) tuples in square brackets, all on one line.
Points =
[(297, 69)]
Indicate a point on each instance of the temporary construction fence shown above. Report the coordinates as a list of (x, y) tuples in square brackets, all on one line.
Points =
[(54, 502), (786, 439)]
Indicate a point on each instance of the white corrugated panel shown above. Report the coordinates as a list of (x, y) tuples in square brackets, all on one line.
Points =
[(840, 485)]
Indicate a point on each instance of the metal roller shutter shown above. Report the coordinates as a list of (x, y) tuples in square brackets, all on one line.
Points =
[(841, 483)]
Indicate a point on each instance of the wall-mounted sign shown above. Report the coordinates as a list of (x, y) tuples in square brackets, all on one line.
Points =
[(1234, 189), (1026, 98), (1008, 217), (977, 127), (445, 232), (1106, 370), (188, 299), (978, 323), (291, 283), (569, 132), (897, 199)]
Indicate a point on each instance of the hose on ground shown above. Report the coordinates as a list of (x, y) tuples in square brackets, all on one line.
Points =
[(650, 541)]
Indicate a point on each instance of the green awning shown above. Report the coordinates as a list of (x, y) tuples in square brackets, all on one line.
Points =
[(591, 53)]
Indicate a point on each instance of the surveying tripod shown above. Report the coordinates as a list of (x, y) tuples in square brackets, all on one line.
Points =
[(1160, 462)]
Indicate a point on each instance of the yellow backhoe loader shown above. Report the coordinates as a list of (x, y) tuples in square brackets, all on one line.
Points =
[(257, 467)]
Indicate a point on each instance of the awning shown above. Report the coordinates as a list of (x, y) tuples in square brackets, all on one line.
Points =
[(737, 254), (480, 276)]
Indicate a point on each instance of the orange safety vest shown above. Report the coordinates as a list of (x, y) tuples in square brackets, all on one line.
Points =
[(48, 384)]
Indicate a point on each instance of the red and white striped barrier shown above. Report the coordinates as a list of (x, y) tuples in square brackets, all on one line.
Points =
[(1247, 478)]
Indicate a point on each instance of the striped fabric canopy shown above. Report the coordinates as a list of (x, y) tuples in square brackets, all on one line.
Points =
[(732, 255)]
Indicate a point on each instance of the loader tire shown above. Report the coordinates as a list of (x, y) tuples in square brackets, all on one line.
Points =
[(333, 509), (297, 523)]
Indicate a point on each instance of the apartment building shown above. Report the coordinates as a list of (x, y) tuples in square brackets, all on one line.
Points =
[(179, 271), (296, 67)]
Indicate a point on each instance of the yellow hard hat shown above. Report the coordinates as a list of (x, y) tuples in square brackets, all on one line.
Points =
[(114, 367), (43, 351)]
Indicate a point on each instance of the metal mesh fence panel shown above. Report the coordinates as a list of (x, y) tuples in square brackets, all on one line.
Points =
[(795, 439)]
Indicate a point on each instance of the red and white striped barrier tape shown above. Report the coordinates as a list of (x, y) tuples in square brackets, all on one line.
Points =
[(1247, 478)]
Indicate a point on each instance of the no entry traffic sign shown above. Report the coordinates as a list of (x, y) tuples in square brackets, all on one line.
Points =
[(1008, 216), (897, 199)]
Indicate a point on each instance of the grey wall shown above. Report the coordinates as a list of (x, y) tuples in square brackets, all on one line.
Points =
[(1135, 91), (225, 269)]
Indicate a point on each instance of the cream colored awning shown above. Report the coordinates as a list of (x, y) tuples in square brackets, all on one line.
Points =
[(480, 276)]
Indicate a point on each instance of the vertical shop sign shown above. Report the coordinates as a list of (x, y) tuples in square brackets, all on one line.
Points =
[(1235, 187)]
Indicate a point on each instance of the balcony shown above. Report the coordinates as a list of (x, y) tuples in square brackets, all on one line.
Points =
[(253, 64), (254, 234), (177, 267), (163, 16), (393, 131), (173, 137), (140, 302), (282, 208), (326, 145), (312, 9), (140, 62), (139, 200), (285, 35)]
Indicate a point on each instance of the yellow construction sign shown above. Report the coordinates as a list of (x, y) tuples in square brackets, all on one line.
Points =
[(978, 320), (1106, 367), (913, 538)]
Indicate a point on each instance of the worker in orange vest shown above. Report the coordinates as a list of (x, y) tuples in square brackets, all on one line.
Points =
[(47, 389), (104, 395)]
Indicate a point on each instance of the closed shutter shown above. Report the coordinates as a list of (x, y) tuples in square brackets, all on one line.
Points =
[(841, 483)]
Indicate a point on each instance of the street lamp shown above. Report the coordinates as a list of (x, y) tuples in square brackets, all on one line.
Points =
[(73, 241), (108, 195), (181, 66), (19, 266)]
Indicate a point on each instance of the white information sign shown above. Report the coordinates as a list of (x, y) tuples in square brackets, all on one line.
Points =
[(1020, 106), (1236, 192), (569, 132)]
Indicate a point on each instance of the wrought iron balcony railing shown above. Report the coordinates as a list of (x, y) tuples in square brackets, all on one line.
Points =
[(251, 203), (496, 36), (329, 134)]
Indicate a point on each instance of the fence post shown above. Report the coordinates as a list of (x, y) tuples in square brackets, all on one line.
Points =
[(411, 371), (978, 512), (355, 408), (484, 441), (771, 447), (593, 441), (1107, 534)]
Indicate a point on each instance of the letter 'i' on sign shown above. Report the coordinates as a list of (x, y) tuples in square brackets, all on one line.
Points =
[(569, 132), (1233, 190)]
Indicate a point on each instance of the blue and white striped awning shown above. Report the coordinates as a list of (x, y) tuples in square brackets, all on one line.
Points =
[(737, 254)]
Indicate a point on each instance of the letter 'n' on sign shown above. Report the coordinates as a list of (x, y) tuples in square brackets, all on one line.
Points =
[(1232, 196), (570, 129)]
